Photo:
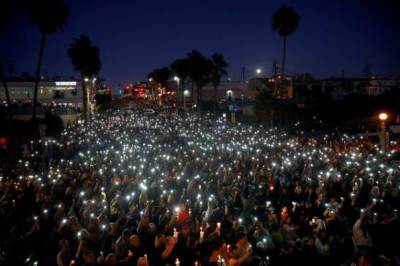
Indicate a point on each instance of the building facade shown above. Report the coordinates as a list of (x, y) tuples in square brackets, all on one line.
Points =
[(339, 88), (226, 90), (69, 92)]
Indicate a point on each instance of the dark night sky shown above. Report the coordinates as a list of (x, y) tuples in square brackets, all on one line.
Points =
[(137, 36)]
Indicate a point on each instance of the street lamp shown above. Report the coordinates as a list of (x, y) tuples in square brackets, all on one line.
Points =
[(258, 71), (152, 89), (177, 79), (185, 94), (91, 93), (383, 135), (383, 116), (87, 92)]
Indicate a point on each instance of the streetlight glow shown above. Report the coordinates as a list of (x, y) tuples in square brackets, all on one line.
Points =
[(258, 71), (383, 116), (176, 78)]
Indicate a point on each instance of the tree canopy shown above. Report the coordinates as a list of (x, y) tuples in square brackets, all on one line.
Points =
[(48, 16), (285, 21), (160, 75), (85, 56)]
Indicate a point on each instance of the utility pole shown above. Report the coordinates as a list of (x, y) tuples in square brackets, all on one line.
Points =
[(275, 75), (243, 74), (367, 74)]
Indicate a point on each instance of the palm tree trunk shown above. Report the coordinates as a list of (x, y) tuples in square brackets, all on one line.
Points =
[(37, 77), (215, 99), (192, 92), (199, 99), (182, 92), (84, 99), (3, 79), (283, 67), (284, 56)]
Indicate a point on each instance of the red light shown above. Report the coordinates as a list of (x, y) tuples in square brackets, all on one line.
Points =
[(139, 90), (3, 141)]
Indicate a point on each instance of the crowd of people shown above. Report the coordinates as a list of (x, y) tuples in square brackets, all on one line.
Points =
[(134, 189)]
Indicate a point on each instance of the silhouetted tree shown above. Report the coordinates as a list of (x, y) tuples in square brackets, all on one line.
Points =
[(103, 100), (160, 76), (8, 9), (285, 21), (180, 68), (218, 70), (4, 81), (49, 16), (85, 58), (200, 70)]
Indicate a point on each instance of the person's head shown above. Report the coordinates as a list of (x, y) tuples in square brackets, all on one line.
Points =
[(370, 181), (375, 192), (113, 228), (309, 242), (72, 220), (135, 241), (152, 228), (211, 204), (64, 245), (126, 234), (185, 230), (89, 257), (111, 259), (388, 184), (260, 246), (84, 234), (94, 222)]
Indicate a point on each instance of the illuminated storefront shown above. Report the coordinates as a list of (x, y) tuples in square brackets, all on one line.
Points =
[(48, 92)]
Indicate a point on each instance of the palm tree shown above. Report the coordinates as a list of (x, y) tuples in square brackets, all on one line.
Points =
[(285, 21), (275, 75), (7, 11), (4, 81), (85, 58), (160, 76), (180, 68), (49, 16), (200, 69), (219, 66)]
